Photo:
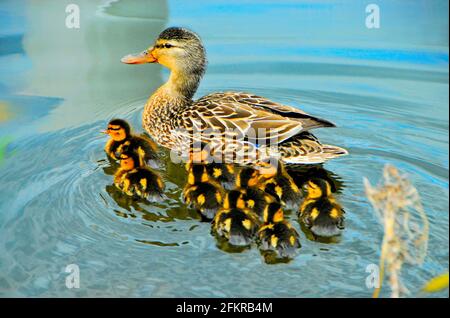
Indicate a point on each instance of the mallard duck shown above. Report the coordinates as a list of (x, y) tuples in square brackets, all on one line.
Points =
[(123, 140), (138, 181), (202, 192), (234, 222), (254, 198), (320, 211), (231, 122), (280, 185), (277, 234)]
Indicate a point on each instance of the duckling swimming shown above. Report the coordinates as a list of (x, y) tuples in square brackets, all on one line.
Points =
[(301, 174), (281, 185), (277, 234), (254, 198), (136, 180), (122, 140), (202, 192), (221, 172), (234, 222), (320, 211)]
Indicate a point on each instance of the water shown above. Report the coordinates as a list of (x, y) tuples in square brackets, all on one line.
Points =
[(386, 89)]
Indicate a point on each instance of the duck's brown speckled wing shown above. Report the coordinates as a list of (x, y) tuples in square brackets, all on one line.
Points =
[(260, 103), (249, 116)]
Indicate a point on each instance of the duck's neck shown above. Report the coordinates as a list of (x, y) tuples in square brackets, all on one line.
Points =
[(183, 84), (170, 98)]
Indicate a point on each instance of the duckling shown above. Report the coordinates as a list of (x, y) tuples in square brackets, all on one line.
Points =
[(234, 222), (138, 181), (221, 172), (254, 198), (123, 140), (202, 192), (277, 234), (320, 211), (281, 185), (301, 174)]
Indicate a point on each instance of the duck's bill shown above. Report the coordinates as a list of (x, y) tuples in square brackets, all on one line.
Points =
[(139, 58)]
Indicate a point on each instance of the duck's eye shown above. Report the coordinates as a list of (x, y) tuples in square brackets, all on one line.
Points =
[(168, 46)]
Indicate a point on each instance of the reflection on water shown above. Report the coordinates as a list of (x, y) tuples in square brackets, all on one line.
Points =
[(388, 97), (69, 61)]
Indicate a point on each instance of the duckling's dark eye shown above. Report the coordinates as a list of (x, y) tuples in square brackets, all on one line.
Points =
[(168, 46)]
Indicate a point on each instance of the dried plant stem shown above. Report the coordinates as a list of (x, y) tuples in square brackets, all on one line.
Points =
[(397, 205)]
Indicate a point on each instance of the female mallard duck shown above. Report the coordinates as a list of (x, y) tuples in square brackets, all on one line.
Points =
[(280, 185), (202, 192), (276, 234), (123, 140), (135, 180), (320, 211), (229, 121), (254, 198), (234, 222)]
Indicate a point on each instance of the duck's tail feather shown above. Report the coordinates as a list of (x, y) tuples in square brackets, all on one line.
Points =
[(331, 151), (327, 152)]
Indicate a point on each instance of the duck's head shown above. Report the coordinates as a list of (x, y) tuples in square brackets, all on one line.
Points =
[(273, 213), (178, 49), (128, 160), (247, 177), (317, 188), (118, 129), (234, 200)]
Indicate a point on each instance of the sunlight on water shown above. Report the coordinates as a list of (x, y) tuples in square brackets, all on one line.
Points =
[(386, 92)]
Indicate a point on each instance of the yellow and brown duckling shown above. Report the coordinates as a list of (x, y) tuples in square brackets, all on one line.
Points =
[(123, 140), (202, 192), (301, 174), (221, 172), (278, 183), (320, 211), (253, 197), (234, 222), (277, 234), (138, 181)]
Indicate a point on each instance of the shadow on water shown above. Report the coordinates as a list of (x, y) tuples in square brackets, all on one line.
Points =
[(321, 239)]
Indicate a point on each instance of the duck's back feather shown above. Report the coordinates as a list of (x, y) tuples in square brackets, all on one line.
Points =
[(248, 114)]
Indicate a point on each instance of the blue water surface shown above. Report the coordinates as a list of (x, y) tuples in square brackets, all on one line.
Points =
[(386, 89)]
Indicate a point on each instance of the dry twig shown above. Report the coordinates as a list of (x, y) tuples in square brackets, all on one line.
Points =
[(399, 209)]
